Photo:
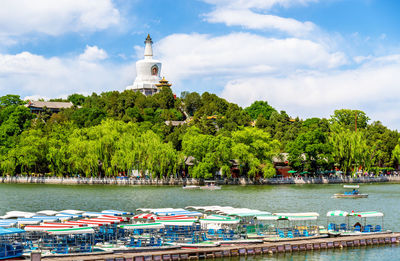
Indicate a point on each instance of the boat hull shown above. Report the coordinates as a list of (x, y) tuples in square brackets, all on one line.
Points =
[(191, 187), (210, 187), (339, 195)]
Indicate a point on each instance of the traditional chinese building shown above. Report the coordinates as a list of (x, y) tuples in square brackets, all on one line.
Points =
[(54, 107)]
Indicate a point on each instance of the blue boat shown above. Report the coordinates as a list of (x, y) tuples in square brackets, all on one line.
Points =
[(8, 247)]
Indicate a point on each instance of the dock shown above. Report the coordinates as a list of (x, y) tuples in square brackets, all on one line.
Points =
[(267, 248)]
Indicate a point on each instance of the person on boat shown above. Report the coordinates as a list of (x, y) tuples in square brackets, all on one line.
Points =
[(358, 224), (355, 192)]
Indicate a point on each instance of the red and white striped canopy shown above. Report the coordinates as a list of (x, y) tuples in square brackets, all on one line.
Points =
[(145, 216), (178, 217)]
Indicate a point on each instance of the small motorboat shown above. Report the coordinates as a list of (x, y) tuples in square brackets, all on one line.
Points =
[(351, 191), (191, 187)]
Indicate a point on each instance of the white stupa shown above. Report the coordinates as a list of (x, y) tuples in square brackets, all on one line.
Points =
[(147, 72)]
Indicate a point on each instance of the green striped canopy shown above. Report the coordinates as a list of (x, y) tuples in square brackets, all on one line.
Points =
[(337, 213), (367, 214), (143, 226), (71, 231)]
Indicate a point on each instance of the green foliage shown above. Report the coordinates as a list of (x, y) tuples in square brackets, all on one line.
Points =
[(349, 118), (310, 151), (9, 100), (77, 99), (119, 132), (260, 108), (350, 149)]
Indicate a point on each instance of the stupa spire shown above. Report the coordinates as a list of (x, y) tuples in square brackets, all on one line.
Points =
[(148, 49)]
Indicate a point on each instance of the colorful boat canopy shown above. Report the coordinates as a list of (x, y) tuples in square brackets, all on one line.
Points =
[(116, 212), (367, 214), (10, 231), (45, 227), (47, 218), (145, 216), (177, 222), (71, 231), (219, 221), (337, 213), (143, 226), (28, 221), (63, 214)]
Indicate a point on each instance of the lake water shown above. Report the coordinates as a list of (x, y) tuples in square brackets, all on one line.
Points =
[(285, 198)]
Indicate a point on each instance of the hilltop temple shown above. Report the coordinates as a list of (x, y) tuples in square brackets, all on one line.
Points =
[(147, 72)]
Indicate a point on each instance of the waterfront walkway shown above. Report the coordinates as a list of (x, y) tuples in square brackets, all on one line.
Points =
[(269, 248), (180, 181)]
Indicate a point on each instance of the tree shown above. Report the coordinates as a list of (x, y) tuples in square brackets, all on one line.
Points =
[(254, 148), (9, 100), (77, 99), (192, 102), (350, 149), (349, 118), (310, 151), (260, 107)]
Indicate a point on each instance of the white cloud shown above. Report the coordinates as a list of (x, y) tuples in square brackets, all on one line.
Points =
[(93, 53), (242, 13), (240, 54), (251, 20), (373, 87), (33, 75), (259, 4), (18, 17)]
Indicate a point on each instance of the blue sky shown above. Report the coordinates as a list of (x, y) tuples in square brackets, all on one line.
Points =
[(307, 57)]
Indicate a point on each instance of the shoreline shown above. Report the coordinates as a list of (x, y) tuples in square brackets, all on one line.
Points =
[(181, 182)]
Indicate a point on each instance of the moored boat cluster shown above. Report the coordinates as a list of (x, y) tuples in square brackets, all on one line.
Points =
[(74, 231)]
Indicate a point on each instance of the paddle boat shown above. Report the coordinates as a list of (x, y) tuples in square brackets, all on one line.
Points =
[(288, 226), (210, 185), (363, 225), (9, 248), (351, 191), (334, 228)]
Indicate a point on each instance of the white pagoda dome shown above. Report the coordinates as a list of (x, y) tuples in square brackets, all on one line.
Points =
[(147, 72)]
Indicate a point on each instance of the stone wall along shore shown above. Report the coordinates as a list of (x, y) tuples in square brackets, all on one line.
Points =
[(181, 182)]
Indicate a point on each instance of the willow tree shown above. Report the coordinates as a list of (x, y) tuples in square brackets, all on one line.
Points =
[(31, 150), (350, 149), (155, 157), (211, 153)]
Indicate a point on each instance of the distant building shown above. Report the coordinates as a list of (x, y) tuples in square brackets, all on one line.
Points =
[(54, 107), (147, 72)]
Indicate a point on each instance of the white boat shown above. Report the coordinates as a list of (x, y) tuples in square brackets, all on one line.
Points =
[(351, 192), (191, 187)]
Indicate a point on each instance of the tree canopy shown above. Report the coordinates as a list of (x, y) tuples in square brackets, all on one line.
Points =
[(201, 136)]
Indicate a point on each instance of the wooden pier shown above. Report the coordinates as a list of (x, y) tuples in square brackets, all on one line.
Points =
[(268, 248)]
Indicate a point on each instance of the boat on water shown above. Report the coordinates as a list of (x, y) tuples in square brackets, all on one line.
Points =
[(367, 222), (191, 187), (351, 191), (210, 185)]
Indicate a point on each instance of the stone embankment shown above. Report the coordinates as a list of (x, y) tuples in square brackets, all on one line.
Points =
[(180, 181)]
